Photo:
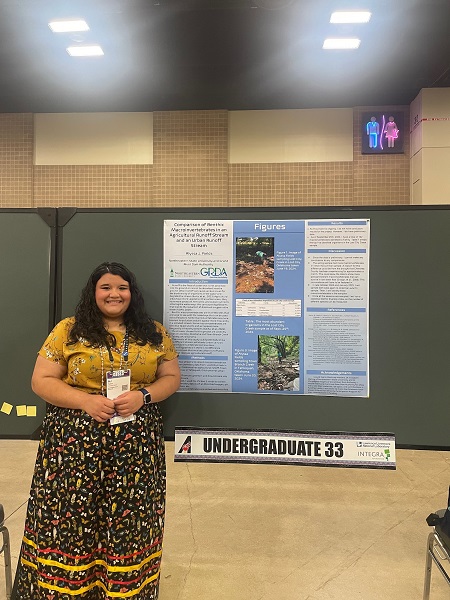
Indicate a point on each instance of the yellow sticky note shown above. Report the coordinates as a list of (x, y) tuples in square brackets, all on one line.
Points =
[(6, 408), (21, 410), (31, 411)]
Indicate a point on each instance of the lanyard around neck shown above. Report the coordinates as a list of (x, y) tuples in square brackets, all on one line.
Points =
[(123, 351), (123, 358)]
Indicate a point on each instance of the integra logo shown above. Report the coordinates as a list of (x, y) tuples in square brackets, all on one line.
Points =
[(213, 272)]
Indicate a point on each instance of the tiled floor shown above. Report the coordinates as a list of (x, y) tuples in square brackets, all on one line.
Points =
[(267, 532)]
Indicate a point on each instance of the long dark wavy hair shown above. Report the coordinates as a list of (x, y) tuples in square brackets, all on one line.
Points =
[(89, 319)]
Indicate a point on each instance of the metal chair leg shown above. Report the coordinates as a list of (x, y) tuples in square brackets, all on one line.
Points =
[(428, 563), (437, 552), (6, 549)]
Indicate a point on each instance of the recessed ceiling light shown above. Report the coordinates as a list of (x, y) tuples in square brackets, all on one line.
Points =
[(85, 50), (68, 25), (341, 44), (356, 16)]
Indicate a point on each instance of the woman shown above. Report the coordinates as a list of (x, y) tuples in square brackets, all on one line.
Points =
[(95, 517)]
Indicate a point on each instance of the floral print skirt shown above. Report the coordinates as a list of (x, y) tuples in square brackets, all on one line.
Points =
[(95, 518)]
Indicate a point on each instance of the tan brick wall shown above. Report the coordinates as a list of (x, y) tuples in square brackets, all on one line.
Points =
[(291, 184), (92, 186), (190, 156), (190, 169), (16, 160)]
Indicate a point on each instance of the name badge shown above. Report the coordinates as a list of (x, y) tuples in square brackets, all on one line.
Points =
[(118, 382)]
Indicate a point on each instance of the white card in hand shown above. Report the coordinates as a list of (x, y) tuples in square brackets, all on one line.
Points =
[(118, 382)]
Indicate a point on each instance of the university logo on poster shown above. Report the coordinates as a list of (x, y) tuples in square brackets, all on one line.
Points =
[(186, 446)]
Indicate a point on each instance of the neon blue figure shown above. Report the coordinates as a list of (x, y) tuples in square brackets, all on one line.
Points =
[(373, 130)]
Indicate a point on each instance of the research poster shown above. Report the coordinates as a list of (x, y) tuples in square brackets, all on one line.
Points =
[(269, 306)]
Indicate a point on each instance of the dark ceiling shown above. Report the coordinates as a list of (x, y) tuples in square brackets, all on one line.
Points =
[(219, 54)]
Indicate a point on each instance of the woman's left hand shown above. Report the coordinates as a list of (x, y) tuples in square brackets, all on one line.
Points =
[(166, 383), (128, 403)]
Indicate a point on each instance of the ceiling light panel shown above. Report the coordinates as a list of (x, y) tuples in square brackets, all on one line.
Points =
[(357, 16), (341, 44), (85, 50), (69, 25)]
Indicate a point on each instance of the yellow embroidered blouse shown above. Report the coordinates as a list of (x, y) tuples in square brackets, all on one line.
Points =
[(83, 362)]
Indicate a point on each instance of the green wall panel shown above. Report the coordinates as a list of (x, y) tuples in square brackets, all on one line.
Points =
[(409, 322)]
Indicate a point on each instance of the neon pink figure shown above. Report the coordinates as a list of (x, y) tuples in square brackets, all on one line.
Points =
[(391, 132)]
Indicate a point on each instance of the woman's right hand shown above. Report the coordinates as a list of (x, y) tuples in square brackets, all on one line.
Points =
[(47, 382), (99, 408)]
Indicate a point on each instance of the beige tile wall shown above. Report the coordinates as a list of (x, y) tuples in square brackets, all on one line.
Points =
[(93, 186), (191, 169), (190, 150), (16, 160), (291, 184)]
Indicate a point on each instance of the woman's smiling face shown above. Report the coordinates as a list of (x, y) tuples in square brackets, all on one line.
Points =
[(112, 295)]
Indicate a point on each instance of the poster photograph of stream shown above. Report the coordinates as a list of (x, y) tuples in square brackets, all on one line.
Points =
[(254, 265), (279, 362)]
